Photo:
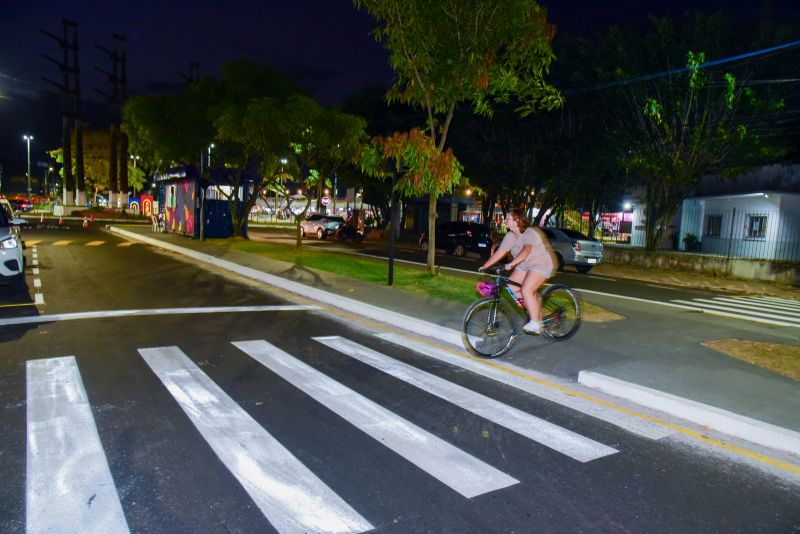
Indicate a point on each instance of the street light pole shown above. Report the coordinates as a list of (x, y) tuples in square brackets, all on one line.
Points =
[(134, 157), (28, 139), (209, 154)]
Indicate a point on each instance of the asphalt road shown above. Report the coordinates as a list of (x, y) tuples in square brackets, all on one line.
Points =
[(287, 430)]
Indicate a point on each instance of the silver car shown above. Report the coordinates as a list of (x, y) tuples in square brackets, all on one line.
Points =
[(320, 225), (12, 262), (574, 248)]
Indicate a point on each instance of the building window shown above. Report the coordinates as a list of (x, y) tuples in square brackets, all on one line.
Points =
[(756, 226), (714, 225)]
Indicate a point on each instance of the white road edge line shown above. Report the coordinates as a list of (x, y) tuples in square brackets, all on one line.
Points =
[(724, 421), (144, 312), (69, 487), (289, 495), (38, 299), (511, 377), (559, 439), (453, 467)]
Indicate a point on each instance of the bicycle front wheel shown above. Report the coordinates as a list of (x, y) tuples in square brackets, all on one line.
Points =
[(488, 330), (561, 312)]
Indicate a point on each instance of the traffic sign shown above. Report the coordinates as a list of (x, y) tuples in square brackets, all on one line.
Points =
[(326, 200)]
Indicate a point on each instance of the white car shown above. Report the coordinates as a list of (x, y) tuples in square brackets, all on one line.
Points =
[(574, 248), (321, 225), (12, 262)]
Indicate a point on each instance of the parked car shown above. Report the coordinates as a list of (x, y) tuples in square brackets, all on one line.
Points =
[(574, 248), (321, 225), (350, 230), (16, 227), (12, 261), (457, 238)]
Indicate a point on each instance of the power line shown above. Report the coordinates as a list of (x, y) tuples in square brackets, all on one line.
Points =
[(683, 69)]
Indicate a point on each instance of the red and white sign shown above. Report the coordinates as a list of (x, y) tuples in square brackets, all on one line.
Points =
[(326, 200)]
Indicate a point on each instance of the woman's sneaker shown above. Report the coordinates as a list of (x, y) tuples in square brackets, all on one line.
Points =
[(533, 327)]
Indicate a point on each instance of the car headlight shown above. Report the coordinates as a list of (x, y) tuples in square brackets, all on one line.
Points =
[(9, 243)]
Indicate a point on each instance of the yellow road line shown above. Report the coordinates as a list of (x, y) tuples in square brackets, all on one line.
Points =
[(126, 244), (16, 305), (774, 462), (61, 243), (32, 242), (94, 243)]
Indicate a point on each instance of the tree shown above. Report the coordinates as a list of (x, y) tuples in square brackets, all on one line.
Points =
[(321, 141), (691, 127), (174, 128), (674, 119), (448, 52), (177, 128), (417, 161)]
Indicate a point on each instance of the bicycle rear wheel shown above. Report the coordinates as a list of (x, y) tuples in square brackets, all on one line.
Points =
[(561, 312), (488, 330)]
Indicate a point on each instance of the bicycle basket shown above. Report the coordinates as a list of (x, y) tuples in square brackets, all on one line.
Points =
[(486, 289)]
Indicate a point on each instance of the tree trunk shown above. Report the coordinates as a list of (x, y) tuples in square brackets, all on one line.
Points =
[(431, 234)]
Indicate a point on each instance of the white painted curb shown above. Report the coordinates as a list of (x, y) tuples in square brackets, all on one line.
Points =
[(412, 324), (724, 421)]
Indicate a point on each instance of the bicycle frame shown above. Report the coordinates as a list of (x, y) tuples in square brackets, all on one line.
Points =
[(503, 282)]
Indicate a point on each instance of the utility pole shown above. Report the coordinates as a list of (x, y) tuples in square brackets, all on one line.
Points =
[(118, 192), (70, 89)]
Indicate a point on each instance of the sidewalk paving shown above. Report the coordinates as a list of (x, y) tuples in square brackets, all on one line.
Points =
[(668, 358)]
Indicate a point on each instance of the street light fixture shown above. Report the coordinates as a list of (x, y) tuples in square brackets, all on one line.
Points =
[(209, 154), (28, 139)]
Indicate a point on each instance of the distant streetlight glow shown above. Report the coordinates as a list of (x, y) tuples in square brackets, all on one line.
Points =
[(28, 139), (209, 154), (627, 206)]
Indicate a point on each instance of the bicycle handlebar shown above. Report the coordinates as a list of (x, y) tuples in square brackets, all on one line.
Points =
[(494, 270)]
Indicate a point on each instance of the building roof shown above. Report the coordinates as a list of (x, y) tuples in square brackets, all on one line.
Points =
[(771, 178)]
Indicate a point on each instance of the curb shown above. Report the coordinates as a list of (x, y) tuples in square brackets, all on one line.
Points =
[(729, 423), (369, 311)]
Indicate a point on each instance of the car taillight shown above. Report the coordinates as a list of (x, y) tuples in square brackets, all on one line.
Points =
[(576, 246)]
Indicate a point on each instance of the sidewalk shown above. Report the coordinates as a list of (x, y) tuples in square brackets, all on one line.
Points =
[(664, 368)]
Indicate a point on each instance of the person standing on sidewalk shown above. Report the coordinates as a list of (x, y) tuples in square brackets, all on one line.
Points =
[(531, 266)]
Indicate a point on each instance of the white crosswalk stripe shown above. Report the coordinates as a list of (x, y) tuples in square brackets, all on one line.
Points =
[(69, 484), (553, 436), (465, 474), (526, 380), (287, 492), (767, 310), (64, 445)]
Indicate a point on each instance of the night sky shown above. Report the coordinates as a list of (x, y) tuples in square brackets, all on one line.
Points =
[(324, 45)]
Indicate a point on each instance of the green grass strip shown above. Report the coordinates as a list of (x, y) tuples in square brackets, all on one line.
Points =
[(375, 271)]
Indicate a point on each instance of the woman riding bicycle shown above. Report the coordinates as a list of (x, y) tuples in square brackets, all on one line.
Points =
[(532, 264)]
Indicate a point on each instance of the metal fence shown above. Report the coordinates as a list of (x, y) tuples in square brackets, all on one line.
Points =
[(741, 233)]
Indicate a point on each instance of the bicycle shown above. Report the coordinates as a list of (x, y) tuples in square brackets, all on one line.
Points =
[(490, 326)]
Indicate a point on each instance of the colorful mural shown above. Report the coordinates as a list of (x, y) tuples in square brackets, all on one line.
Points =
[(180, 203), (146, 204)]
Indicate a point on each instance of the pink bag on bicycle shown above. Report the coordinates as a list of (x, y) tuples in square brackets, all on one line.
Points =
[(485, 289)]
